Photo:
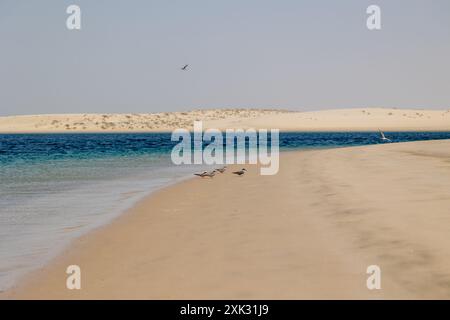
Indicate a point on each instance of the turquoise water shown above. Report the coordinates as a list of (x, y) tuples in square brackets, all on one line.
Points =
[(55, 187)]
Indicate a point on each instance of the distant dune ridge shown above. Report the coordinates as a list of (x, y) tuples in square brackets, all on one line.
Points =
[(361, 119)]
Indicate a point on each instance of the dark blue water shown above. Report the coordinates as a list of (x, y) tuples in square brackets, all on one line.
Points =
[(54, 187), (347, 139), (28, 148)]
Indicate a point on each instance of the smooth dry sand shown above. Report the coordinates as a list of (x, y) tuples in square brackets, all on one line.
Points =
[(308, 232), (362, 119)]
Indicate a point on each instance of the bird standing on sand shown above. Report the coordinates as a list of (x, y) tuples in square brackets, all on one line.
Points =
[(185, 67), (221, 170), (383, 137), (205, 174), (240, 172)]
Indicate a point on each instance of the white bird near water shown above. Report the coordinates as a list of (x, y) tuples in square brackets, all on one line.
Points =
[(383, 137)]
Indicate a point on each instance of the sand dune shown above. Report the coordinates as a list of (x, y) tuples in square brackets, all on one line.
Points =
[(150, 122), (309, 232), (366, 119)]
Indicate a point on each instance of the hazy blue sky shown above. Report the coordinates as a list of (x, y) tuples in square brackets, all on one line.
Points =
[(290, 54)]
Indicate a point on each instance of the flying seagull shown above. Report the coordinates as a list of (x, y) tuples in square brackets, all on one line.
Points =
[(185, 67), (383, 137), (240, 172)]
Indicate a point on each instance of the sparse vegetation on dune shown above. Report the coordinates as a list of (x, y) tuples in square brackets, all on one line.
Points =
[(145, 122), (363, 118)]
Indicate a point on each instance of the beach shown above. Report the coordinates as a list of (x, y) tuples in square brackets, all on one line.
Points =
[(308, 232)]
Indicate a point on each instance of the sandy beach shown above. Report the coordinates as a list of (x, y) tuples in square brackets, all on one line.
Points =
[(358, 119), (308, 232)]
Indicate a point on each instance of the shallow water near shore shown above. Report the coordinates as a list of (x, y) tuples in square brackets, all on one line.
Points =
[(56, 187)]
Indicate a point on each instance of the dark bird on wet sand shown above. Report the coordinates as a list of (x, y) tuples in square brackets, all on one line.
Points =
[(205, 174), (240, 172), (185, 67), (221, 170)]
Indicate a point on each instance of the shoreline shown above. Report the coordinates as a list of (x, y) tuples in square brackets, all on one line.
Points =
[(128, 200), (315, 246), (74, 244)]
